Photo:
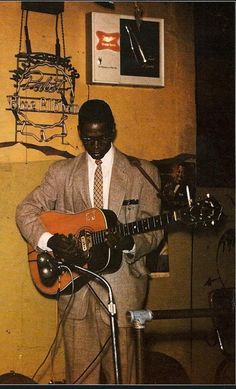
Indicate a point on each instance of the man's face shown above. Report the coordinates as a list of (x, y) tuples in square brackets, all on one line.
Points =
[(96, 138), (178, 173)]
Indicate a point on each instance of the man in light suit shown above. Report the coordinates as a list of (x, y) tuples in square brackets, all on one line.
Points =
[(68, 187)]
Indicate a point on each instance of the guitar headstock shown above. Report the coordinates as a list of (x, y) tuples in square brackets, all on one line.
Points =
[(206, 212)]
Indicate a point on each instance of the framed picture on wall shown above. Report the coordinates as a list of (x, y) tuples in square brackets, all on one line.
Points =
[(177, 174), (124, 51)]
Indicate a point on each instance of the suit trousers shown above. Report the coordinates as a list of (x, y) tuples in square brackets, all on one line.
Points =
[(83, 341)]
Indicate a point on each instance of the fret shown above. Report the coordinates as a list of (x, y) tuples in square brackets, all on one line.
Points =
[(101, 239), (153, 223), (119, 229), (94, 238), (143, 225), (123, 229), (129, 229), (98, 237), (139, 227), (134, 227), (157, 222), (167, 218), (126, 230), (103, 233)]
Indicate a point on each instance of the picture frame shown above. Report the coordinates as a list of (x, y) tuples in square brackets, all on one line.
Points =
[(176, 174), (125, 51)]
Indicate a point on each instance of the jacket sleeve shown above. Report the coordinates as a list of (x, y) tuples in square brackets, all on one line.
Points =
[(41, 199)]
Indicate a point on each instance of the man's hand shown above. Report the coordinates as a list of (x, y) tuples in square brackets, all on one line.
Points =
[(65, 247), (115, 241)]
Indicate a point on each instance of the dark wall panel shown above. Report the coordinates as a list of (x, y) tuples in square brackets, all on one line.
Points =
[(214, 42)]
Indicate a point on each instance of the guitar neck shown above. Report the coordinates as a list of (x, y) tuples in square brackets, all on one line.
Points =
[(138, 227)]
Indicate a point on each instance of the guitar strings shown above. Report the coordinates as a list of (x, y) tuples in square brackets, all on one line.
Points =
[(51, 348)]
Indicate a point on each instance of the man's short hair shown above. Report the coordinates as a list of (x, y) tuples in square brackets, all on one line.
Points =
[(96, 111)]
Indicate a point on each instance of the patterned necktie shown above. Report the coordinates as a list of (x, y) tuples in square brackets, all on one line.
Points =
[(98, 185)]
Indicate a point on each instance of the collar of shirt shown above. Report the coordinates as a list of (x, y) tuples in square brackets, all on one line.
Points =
[(107, 163)]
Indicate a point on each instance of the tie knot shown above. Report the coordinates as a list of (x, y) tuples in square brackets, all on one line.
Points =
[(98, 161)]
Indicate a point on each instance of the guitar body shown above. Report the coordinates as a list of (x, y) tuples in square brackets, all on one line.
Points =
[(101, 258), (90, 228)]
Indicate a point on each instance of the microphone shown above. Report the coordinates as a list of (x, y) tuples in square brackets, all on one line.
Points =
[(48, 267)]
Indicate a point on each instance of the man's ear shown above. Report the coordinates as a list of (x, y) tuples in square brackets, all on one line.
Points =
[(113, 134), (80, 134), (79, 130)]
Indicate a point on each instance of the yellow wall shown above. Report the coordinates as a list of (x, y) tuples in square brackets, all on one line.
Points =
[(152, 123), (150, 116)]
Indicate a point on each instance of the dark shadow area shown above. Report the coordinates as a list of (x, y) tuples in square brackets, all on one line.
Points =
[(163, 369), (214, 24)]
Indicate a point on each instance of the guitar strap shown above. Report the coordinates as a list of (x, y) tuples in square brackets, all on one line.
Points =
[(137, 163)]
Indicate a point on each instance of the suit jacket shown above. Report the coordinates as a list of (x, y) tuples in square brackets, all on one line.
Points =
[(65, 188)]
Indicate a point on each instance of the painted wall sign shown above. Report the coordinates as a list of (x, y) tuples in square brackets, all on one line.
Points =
[(125, 51), (44, 96)]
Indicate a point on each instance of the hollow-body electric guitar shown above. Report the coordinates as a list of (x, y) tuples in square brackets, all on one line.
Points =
[(90, 228)]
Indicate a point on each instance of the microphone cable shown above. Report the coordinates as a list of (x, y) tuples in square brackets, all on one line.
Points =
[(54, 343), (60, 322), (103, 347), (93, 361), (98, 298), (54, 348), (107, 285)]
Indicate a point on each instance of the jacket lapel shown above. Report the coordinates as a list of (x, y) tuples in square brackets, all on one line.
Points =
[(81, 198), (118, 183)]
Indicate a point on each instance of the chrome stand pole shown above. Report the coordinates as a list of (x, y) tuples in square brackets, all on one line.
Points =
[(113, 320), (139, 318)]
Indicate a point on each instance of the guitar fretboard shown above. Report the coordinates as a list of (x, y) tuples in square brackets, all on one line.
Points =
[(138, 227)]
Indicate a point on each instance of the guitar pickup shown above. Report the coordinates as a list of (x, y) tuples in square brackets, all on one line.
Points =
[(85, 241)]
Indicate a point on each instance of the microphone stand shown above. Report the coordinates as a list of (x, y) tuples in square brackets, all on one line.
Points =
[(112, 310)]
